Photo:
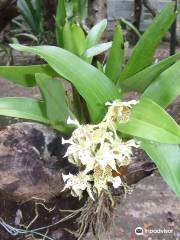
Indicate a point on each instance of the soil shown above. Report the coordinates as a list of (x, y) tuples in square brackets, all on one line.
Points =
[(151, 205)]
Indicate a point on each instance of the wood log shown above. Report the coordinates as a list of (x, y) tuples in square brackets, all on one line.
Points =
[(31, 166), (27, 163), (31, 163)]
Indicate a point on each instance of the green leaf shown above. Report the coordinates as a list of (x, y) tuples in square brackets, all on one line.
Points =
[(116, 56), (67, 38), (25, 108), (60, 13), (30, 15), (83, 9), (38, 6), (95, 34), (141, 80), (54, 96), (166, 87), (97, 49), (131, 26), (149, 121), (60, 21), (100, 66), (143, 52), (25, 75), (27, 35), (79, 39), (91, 84), (167, 159)]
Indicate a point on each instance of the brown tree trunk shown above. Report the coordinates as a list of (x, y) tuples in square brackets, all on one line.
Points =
[(49, 12), (8, 11), (137, 18), (97, 11), (150, 8)]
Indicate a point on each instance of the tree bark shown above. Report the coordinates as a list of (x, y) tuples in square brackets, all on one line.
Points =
[(137, 19), (8, 11), (97, 11), (173, 39), (150, 8), (49, 13)]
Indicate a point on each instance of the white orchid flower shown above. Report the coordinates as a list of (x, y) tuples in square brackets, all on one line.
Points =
[(71, 121), (98, 151), (77, 183), (116, 181)]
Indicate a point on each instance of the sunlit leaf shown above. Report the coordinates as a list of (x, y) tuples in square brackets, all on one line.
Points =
[(149, 121), (143, 52), (116, 56), (92, 84), (167, 159), (141, 80), (97, 49), (95, 34), (166, 87), (67, 38), (25, 75), (25, 108), (57, 110), (79, 39)]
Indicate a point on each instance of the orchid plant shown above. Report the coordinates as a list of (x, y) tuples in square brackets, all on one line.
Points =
[(102, 128)]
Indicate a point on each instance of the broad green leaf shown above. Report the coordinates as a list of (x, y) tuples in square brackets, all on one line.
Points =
[(97, 49), (116, 56), (67, 38), (166, 87), (141, 80), (25, 75), (167, 159), (95, 34), (149, 121), (143, 52), (79, 39), (25, 108), (60, 21), (54, 96), (91, 84)]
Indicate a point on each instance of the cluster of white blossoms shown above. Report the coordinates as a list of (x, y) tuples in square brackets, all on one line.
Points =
[(98, 152)]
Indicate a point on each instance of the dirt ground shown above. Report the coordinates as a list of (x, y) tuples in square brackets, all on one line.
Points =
[(151, 206)]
